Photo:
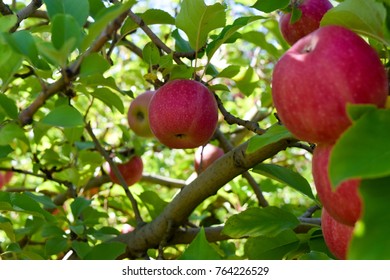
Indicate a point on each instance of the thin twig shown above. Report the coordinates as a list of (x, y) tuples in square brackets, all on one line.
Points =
[(230, 119), (117, 173), (5, 9), (27, 12)]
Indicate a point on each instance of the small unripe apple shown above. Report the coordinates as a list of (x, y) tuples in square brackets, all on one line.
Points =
[(138, 114), (183, 114), (131, 171), (205, 156), (319, 75), (312, 12), (337, 236), (343, 203)]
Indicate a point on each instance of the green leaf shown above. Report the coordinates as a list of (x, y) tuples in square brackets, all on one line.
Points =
[(181, 45), (259, 39), (229, 72), (42, 199), (153, 203), (315, 256), (228, 32), (64, 116), (7, 227), (8, 106), (363, 150), (109, 98), (197, 19), (5, 150), (200, 249), (78, 9), (268, 6), (95, 7), (286, 176), (181, 72), (151, 54), (11, 132), (81, 248), (24, 203), (106, 251), (65, 29), (274, 134), (7, 22), (55, 245), (269, 221), (93, 64), (102, 20), (271, 248), (150, 17), (366, 17), (78, 206), (247, 82), (24, 43), (10, 63), (371, 235)]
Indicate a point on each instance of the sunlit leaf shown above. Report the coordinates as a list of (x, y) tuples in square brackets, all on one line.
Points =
[(363, 151), (366, 17), (64, 116), (197, 19), (274, 134), (269, 6)]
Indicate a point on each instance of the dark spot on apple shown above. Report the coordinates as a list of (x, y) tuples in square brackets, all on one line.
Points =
[(180, 135), (140, 116)]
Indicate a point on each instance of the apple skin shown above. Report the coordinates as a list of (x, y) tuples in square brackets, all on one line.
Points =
[(312, 13), (337, 235), (131, 171), (5, 178), (319, 75), (183, 114), (344, 203), (205, 156), (138, 114)]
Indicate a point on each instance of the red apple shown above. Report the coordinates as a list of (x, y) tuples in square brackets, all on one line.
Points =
[(5, 178), (337, 236), (138, 114), (183, 114), (205, 156), (344, 203), (317, 77), (131, 171), (312, 13)]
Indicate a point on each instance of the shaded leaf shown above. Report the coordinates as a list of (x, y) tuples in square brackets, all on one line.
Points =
[(271, 248), (374, 224), (78, 205), (93, 64), (269, 221), (109, 98), (65, 30), (78, 9), (106, 251), (8, 106), (151, 54), (200, 249), (286, 176), (7, 227)]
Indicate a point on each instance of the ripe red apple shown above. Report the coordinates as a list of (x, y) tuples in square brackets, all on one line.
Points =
[(317, 77), (183, 114), (337, 236), (312, 13), (344, 204), (5, 178), (131, 171), (205, 156), (138, 114)]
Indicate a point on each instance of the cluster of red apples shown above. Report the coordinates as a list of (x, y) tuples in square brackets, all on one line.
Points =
[(182, 114), (325, 69)]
